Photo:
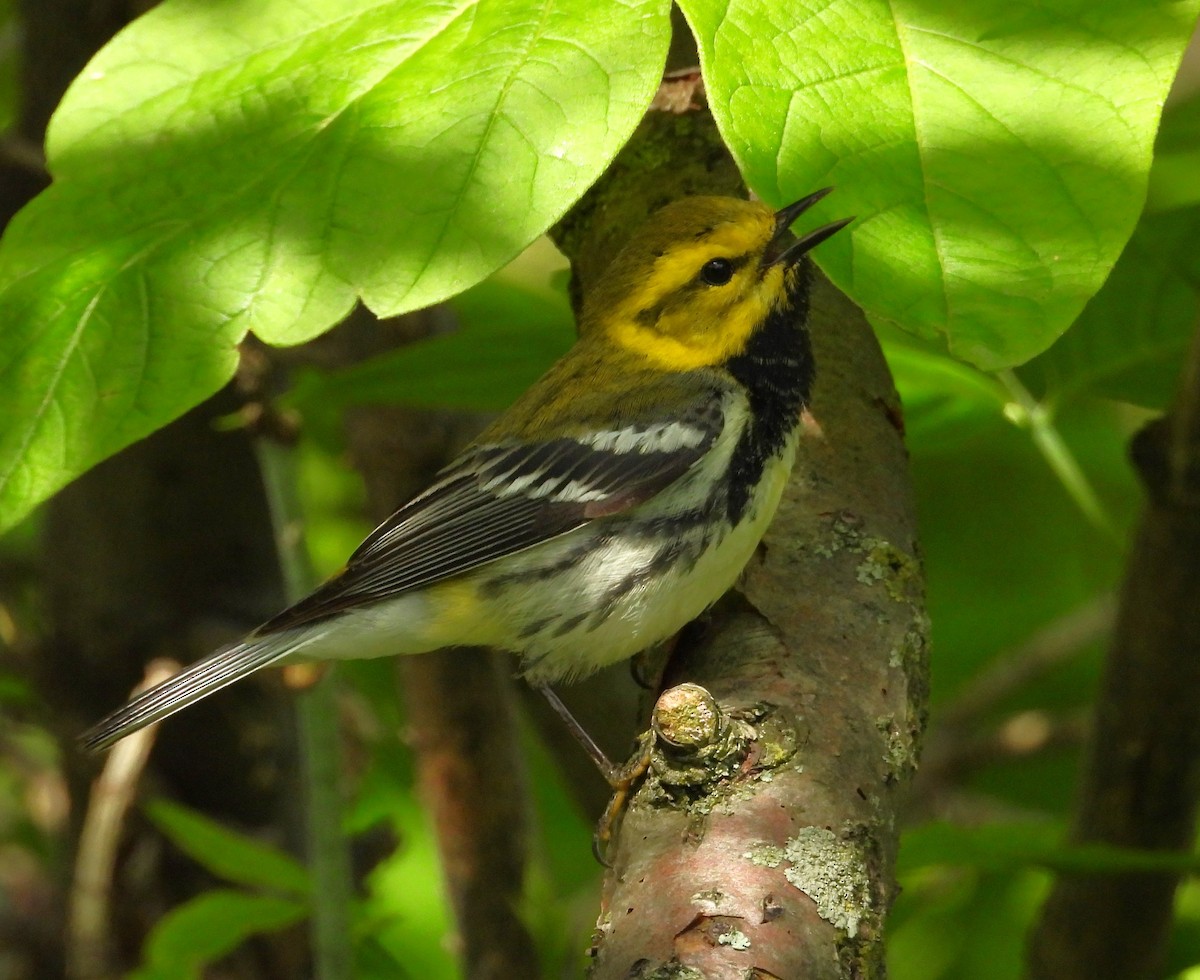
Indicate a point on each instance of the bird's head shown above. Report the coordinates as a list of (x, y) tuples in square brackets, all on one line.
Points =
[(693, 283)]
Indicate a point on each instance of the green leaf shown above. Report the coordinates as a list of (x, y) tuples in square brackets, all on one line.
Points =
[(958, 926), (228, 854), (286, 159), (944, 400), (208, 927), (999, 847), (995, 154), (1131, 339), (404, 907), (508, 337)]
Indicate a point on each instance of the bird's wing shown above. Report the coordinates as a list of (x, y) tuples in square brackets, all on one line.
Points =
[(500, 498)]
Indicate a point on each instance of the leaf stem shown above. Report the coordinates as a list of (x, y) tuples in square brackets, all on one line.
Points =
[(316, 717), (1027, 412)]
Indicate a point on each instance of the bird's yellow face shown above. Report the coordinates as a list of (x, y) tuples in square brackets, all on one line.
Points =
[(692, 285)]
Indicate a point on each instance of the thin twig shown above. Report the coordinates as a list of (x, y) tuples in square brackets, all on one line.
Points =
[(316, 714), (1037, 417), (462, 729), (113, 792)]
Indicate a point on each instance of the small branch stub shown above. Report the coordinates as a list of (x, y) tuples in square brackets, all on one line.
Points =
[(699, 745), (688, 717)]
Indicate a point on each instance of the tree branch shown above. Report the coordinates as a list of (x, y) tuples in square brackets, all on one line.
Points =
[(327, 851), (462, 729), (1141, 780), (773, 855), (89, 926)]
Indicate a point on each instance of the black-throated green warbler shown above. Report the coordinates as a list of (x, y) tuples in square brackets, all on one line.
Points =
[(617, 499)]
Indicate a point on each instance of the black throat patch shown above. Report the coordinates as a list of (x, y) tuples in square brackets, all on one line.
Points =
[(776, 369)]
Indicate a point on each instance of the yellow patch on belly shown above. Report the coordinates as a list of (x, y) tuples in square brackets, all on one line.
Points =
[(458, 614)]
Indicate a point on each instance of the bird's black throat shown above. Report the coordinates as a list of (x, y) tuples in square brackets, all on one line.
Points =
[(776, 369)]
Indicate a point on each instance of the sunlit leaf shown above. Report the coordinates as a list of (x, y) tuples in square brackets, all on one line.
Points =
[(208, 927), (226, 853), (283, 160), (995, 153), (1131, 339)]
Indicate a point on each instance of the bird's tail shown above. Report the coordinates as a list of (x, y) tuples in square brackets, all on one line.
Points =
[(217, 670)]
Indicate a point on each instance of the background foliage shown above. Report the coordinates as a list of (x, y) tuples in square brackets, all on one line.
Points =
[(288, 160)]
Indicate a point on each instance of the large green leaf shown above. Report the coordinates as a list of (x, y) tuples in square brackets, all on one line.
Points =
[(283, 159), (208, 927), (995, 153), (1131, 339), (226, 853)]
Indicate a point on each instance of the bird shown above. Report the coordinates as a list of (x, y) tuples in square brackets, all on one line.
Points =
[(617, 499)]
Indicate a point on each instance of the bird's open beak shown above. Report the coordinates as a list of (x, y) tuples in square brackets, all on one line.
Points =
[(786, 251)]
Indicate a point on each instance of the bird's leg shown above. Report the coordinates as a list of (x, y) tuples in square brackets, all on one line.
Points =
[(622, 779), (595, 753)]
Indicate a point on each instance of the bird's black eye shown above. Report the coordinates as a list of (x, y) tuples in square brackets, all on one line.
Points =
[(716, 272)]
